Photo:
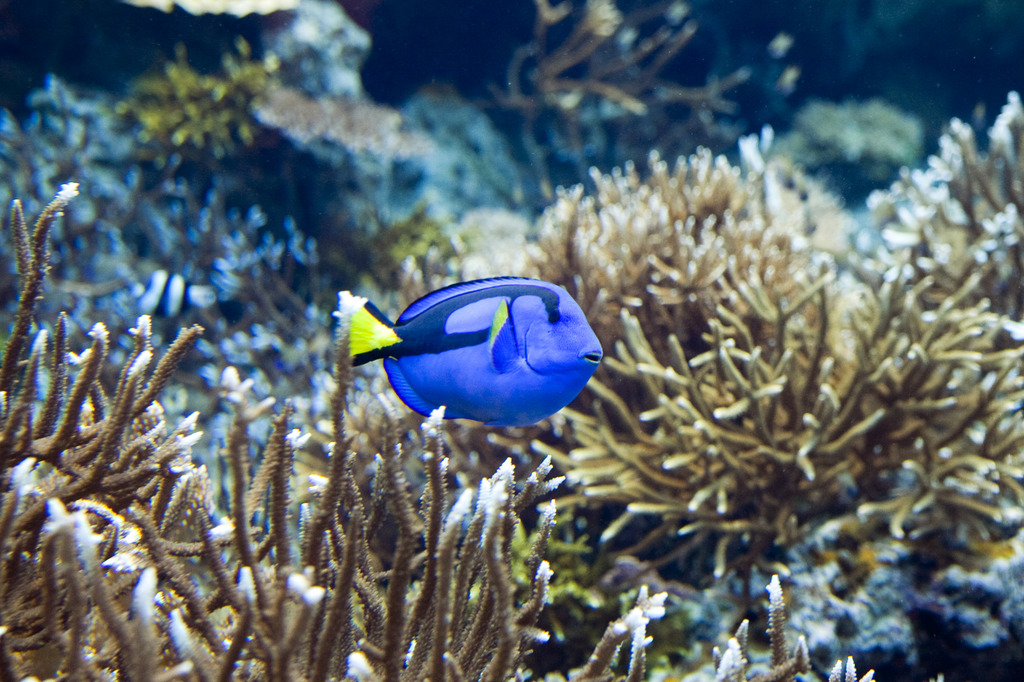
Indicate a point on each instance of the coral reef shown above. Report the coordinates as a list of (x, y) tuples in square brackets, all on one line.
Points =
[(962, 214), (752, 394), (211, 493), (107, 517), (761, 394), (135, 220)]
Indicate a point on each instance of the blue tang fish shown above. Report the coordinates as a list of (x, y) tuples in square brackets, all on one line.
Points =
[(507, 351)]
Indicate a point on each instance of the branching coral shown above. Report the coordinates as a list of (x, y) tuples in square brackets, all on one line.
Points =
[(79, 447), (749, 394), (962, 213), (115, 562), (731, 664), (607, 56), (690, 236)]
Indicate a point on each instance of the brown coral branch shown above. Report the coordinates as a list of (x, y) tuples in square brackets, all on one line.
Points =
[(394, 642), (58, 380), (183, 342), (32, 257), (335, 638), (93, 362), (336, 479)]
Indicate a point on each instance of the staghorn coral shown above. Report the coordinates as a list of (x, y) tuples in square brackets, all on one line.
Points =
[(78, 446), (731, 664), (107, 517), (962, 214), (750, 394), (607, 57), (689, 236), (735, 663)]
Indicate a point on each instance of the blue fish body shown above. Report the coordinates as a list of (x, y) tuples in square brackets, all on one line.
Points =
[(505, 351)]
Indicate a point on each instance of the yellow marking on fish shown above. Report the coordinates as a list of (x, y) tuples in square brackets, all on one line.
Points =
[(368, 333), (500, 317)]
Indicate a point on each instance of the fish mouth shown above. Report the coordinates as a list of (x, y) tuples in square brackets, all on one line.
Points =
[(593, 357)]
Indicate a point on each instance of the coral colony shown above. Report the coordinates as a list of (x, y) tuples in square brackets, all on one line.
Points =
[(643, 384)]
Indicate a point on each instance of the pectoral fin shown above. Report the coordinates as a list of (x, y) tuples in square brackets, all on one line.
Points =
[(502, 341)]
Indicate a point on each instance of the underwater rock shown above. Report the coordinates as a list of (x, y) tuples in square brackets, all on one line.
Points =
[(974, 614), (895, 610), (471, 165), (321, 50), (851, 597)]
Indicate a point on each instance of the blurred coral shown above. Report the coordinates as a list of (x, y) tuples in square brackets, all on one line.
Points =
[(859, 143), (239, 8), (608, 57), (359, 125), (182, 109), (136, 219)]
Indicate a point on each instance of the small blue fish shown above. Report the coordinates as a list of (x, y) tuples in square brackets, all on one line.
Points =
[(507, 351)]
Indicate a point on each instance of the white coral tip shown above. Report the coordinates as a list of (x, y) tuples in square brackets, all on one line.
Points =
[(67, 192), (432, 424), (348, 305), (140, 363), (359, 667), (774, 590), (144, 594)]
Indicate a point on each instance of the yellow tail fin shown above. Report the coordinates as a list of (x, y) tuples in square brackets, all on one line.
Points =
[(369, 332)]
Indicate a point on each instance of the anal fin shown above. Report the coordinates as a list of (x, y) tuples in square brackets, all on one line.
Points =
[(408, 395)]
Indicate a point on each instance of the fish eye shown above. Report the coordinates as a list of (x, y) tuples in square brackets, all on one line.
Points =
[(594, 357)]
